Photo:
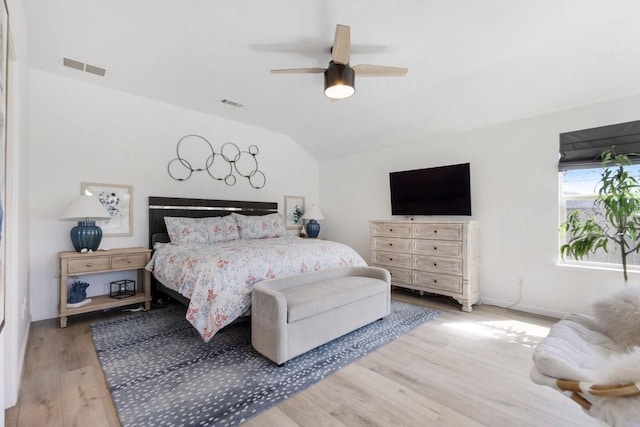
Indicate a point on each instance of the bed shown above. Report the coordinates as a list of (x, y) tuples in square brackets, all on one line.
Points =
[(212, 272)]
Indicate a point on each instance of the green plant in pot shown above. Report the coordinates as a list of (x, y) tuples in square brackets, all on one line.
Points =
[(616, 218)]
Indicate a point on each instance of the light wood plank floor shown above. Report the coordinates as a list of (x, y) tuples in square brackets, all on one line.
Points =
[(461, 369)]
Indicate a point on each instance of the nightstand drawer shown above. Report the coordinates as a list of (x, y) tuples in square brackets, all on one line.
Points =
[(129, 261), (391, 244), (437, 281), (90, 264), (438, 231), (392, 259)]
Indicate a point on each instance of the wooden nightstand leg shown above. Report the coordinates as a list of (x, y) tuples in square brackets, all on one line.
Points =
[(147, 306), (63, 321)]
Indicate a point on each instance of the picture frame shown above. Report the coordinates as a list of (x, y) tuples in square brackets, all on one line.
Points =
[(293, 211), (118, 201)]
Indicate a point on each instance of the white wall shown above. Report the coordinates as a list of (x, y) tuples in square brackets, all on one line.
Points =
[(86, 133), (514, 183), (14, 336)]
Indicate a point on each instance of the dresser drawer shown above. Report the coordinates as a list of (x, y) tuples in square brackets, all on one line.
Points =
[(437, 281), (392, 259), (437, 264), (391, 244), (446, 248), (399, 275), (89, 264), (129, 261), (440, 231), (391, 229)]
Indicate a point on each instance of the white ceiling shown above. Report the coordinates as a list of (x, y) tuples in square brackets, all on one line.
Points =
[(472, 63)]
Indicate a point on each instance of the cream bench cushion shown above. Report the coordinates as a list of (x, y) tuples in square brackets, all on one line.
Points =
[(292, 315)]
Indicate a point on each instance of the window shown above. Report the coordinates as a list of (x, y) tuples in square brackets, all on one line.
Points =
[(578, 191)]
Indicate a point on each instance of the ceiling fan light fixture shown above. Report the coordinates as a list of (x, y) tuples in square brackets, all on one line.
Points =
[(339, 81)]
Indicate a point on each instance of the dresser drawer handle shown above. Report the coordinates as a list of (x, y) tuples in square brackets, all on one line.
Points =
[(435, 264), (390, 230), (89, 264), (390, 259), (128, 261), (435, 248), (390, 244), (435, 281), (435, 231)]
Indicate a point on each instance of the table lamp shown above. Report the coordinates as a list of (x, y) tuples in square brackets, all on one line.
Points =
[(86, 210), (313, 214)]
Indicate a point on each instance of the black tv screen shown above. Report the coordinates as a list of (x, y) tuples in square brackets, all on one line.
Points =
[(444, 190)]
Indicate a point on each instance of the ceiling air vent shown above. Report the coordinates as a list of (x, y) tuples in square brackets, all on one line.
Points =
[(72, 63), (231, 103)]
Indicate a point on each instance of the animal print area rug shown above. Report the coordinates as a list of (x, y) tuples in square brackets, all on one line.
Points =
[(161, 373)]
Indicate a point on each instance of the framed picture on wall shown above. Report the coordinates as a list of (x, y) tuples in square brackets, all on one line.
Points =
[(118, 200), (293, 210)]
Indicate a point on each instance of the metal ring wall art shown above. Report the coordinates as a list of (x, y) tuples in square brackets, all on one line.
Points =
[(221, 166)]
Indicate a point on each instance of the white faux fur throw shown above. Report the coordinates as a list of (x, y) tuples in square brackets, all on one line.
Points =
[(622, 368), (618, 315)]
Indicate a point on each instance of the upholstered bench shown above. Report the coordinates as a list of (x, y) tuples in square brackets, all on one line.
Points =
[(294, 314)]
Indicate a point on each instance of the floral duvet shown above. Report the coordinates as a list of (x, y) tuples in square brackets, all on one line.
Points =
[(218, 278)]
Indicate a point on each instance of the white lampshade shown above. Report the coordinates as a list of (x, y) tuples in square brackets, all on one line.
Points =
[(85, 208), (312, 213)]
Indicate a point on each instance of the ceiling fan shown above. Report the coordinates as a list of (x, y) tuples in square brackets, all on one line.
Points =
[(339, 77)]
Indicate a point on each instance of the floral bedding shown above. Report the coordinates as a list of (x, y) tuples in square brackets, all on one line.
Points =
[(218, 278)]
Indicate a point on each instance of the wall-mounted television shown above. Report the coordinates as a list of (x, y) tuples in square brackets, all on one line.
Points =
[(443, 190)]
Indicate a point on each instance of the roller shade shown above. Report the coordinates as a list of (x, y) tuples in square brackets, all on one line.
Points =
[(582, 148)]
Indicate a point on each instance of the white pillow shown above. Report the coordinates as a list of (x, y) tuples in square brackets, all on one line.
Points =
[(201, 230), (618, 315), (261, 226)]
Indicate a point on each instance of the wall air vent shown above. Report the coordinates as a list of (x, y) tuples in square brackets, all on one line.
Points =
[(95, 70), (231, 103), (72, 63)]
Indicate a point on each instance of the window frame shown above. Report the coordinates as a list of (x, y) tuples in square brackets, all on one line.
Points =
[(562, 217)]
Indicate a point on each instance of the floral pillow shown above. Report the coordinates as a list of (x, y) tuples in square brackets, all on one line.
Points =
[(220, 229), (201, 230), (260, 227)]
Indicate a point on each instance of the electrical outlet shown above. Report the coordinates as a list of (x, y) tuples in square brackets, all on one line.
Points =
[(520, 279), (24, 307)]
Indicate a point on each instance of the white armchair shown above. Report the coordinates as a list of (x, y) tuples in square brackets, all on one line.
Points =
[(595, 360)]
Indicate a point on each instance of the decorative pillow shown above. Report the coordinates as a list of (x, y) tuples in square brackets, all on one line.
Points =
[(201, 230), (260, 227), (618, 315), (184, 230), (220, 229)]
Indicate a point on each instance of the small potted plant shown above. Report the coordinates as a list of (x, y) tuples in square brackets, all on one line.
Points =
[(616, 218)]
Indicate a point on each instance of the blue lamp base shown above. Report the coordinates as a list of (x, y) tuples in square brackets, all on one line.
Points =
[(313, 228), (86, 235)]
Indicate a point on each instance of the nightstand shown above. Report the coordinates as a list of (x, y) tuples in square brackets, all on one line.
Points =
[(76, 264)]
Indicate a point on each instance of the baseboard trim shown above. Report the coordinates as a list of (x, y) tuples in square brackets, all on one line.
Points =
[(523, 307)]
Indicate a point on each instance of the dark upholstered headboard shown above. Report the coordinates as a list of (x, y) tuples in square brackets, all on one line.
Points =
[(161, 207)]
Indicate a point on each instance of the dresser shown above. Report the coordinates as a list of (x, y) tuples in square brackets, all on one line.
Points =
[(78, 264), (436, 256)]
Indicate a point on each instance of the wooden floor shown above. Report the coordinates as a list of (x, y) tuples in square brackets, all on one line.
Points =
[(461, 369)]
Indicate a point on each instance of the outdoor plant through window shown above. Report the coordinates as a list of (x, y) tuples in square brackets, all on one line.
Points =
[(580, 203)]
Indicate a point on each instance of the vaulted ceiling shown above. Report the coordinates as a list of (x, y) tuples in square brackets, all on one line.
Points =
[(471, 63)]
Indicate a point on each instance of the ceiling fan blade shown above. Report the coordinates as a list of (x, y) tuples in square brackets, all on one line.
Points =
[(341, 45), (364, 70), (299, 71)]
